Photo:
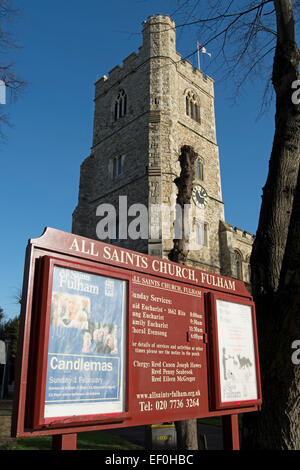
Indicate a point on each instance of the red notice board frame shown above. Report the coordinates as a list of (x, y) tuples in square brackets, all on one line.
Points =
[(216, 402), (35, 413), (57, 248)]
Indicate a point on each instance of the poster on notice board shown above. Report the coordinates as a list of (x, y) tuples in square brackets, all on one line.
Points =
[(86, 350)]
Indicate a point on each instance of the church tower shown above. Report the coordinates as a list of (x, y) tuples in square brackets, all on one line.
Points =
[(146, 112)]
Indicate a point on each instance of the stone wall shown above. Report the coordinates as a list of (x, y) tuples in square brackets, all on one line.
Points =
[(171, 128), (235, 239), (149, 137)]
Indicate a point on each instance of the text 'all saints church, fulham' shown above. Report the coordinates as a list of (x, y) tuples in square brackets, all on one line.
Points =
[(146, 111)]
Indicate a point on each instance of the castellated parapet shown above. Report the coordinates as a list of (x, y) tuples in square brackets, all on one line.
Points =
[(159, 41), (236, 244)]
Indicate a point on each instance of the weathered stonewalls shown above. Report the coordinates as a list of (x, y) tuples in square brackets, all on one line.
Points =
[(149, 138), (234, 240)]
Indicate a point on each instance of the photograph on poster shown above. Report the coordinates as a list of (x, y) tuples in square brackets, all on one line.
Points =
[(238, 378), (86, 351)]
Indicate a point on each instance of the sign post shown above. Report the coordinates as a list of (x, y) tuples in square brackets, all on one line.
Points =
[(113, 338), (230, 428), (64, 442)]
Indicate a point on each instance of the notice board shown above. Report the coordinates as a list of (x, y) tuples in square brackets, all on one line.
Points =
[(115, 338)]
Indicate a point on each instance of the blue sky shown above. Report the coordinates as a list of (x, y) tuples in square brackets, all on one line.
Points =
[(66, 46)]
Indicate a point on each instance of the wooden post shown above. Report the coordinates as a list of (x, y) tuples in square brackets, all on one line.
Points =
[(64, 442), (230, 427)]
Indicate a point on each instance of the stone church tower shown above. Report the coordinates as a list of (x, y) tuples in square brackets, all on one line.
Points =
[(146, 111)]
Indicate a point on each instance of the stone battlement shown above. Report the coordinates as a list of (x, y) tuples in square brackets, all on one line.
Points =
[(130, 63), (159, 18), (134, 59), (238, 232), (137, 59), (186, 68), (243, 233)]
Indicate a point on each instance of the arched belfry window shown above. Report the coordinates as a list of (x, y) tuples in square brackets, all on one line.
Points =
[(120, 105), (238, 265), (192, 107)]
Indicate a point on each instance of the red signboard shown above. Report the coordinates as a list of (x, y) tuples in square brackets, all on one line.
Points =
[(114, 338)]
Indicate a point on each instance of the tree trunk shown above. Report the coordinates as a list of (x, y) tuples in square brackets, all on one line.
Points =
[(187, 438), (278, 426), (276, 307), (184, 184), (288, 323), (279, 190)]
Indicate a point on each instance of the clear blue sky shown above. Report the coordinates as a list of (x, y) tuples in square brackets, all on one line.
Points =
[(66, 45)]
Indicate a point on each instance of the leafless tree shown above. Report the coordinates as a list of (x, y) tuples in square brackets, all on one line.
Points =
[(259, 37), (13, 84)]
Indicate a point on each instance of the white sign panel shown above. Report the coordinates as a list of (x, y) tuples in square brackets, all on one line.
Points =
[(236, 352)]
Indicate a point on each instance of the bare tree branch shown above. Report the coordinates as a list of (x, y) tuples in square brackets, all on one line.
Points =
[(237, 15), (13, 84), (241, 36)]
